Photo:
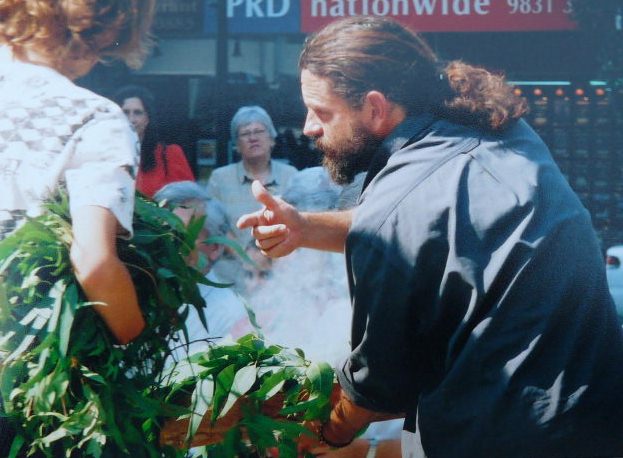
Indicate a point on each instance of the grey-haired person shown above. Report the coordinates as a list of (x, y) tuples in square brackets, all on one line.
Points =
[(224, 308), (254, 134)]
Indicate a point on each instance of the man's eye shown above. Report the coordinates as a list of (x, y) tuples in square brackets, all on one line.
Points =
[(323, 115)]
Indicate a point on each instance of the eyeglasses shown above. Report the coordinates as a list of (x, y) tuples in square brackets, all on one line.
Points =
[(257, 274), (248, 133)]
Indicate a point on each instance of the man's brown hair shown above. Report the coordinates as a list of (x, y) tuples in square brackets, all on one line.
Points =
[(361, 54)]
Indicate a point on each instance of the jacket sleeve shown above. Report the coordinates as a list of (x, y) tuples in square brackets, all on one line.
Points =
[(395, 281)]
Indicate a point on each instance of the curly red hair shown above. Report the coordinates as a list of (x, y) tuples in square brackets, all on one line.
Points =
[(62, 31)]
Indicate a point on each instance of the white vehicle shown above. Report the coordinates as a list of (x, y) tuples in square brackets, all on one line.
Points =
[(614, 272)]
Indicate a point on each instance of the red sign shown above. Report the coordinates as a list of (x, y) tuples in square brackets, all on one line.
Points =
[(446, 15)]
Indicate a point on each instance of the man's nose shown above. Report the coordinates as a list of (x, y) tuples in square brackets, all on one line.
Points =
[(312, 128)]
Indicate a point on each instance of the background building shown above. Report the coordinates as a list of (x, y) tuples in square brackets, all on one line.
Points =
[(201, 73)]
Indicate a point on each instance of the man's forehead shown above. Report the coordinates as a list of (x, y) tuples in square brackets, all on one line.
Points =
[(315, 86), (319, 94)]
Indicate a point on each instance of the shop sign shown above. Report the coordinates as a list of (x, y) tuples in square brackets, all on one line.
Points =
[(305, 16), (447, 15), (258, 16), (179, 18)]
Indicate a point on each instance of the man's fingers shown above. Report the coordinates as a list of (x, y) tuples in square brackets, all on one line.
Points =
[(263, 216), (262, 195), (249, 220), (267, 245), (269, 237), (278, 251), (266, 232)]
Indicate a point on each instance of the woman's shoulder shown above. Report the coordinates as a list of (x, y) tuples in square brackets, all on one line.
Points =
[(89, 103), (45, 93), (172, 148)]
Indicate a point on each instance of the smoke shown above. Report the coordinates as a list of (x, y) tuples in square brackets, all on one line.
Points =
[(305, 303)]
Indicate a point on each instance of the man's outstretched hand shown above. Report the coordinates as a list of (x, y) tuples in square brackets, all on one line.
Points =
[(277, 227)]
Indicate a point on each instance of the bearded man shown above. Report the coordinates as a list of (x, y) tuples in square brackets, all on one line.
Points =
[(477, 282)]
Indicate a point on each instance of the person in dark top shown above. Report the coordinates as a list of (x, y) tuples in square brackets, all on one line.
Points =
[(480, 305)]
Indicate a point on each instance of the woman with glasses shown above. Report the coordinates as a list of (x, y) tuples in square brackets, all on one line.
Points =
[(254, 134)]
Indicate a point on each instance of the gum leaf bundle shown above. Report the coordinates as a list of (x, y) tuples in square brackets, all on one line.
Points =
[(247, 397), (68, 388)]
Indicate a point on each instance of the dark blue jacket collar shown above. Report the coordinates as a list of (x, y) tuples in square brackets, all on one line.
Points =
[(408, 131)]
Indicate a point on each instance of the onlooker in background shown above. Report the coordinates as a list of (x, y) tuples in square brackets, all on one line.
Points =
[(223, 306), (58, 135), (255, 135), (160, 163), (257, 274)]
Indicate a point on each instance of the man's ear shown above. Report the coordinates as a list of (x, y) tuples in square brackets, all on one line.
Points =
[(381, 115), (376, 109)]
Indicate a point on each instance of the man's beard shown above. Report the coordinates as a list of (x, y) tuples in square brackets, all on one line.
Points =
[(346, 158)]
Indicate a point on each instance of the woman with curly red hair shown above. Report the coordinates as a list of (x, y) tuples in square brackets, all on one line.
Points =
[(54, 134)]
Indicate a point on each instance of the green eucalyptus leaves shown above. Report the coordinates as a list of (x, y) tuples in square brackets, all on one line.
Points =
[(71, 391)]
